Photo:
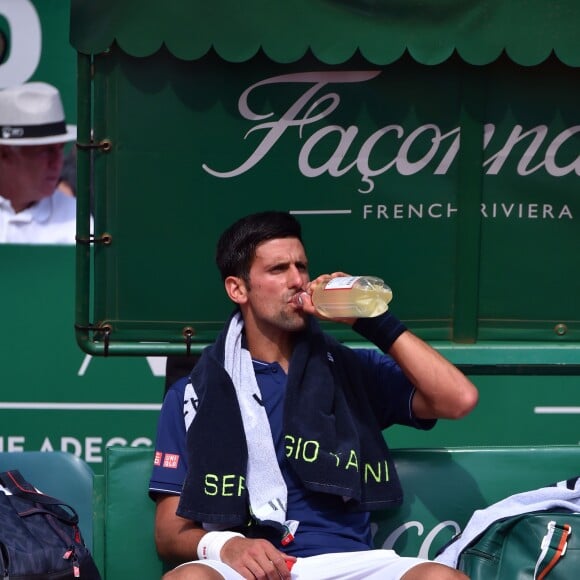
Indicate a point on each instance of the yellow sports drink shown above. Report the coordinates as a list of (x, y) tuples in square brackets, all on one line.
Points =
[(352, 297)]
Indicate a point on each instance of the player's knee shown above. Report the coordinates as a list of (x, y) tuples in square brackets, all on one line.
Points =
[(193, 572), (433, 571)]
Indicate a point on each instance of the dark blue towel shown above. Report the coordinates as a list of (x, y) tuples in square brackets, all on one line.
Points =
[(333, 440)]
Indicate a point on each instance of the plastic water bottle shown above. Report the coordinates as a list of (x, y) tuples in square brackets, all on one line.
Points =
[(352, 297)]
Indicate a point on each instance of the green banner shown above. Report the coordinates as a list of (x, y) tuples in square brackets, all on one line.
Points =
[(456, 185), (53, 395)]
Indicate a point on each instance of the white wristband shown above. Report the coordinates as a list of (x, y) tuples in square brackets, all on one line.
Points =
[(211, 544)]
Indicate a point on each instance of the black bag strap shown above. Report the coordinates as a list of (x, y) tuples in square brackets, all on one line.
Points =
[(16, 484)]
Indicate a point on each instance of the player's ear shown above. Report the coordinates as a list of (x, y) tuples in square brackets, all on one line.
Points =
[(236, 289)]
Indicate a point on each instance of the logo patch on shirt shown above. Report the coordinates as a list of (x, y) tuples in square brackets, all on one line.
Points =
[(157, 460), (171, 460)]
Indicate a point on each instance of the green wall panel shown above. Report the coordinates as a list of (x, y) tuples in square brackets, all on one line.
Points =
[(458, 185)]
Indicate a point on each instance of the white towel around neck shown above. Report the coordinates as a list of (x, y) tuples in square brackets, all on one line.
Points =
[(266, 486)]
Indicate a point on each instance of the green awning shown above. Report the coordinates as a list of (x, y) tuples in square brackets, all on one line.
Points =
[(528, 31)]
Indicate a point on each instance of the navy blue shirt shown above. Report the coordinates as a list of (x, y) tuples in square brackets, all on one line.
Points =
[(325, 526)]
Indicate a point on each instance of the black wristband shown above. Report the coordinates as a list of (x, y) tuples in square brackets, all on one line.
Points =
[(382, 330)]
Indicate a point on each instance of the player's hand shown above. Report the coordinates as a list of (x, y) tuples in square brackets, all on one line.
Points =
[(255, 558)]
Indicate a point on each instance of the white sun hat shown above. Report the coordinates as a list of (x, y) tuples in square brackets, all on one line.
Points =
[(32, 114)]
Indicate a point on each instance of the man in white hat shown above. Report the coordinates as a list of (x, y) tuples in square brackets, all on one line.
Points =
[(32, 137)]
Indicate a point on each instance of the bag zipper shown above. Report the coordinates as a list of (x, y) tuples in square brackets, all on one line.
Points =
[(480, 554), (71, 554), (70, 551)]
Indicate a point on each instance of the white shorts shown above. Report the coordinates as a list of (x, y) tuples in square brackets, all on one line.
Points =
[(365, 565)]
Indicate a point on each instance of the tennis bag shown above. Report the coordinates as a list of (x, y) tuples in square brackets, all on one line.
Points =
[(39, 535), (530, 546)]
